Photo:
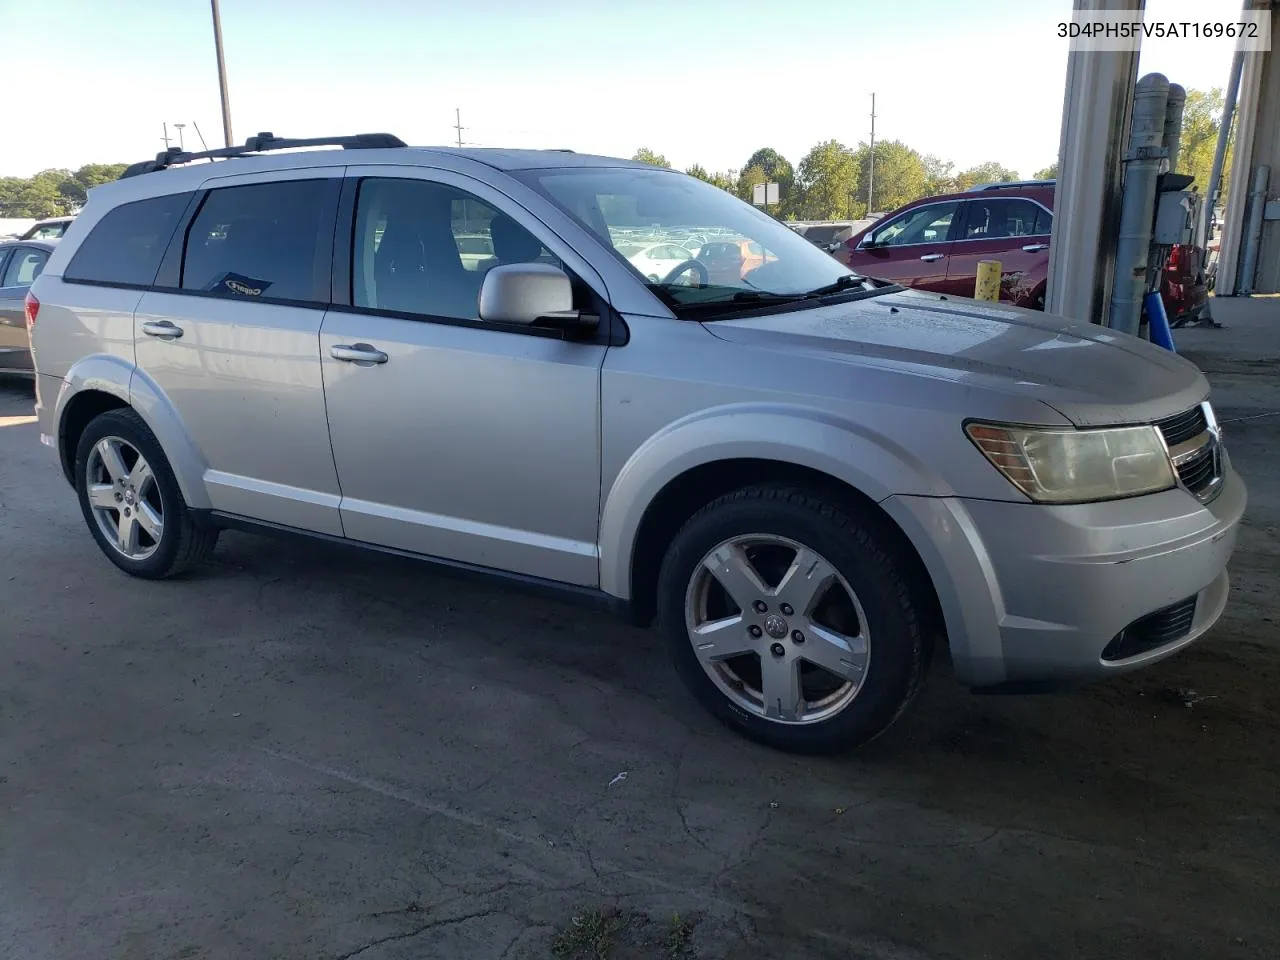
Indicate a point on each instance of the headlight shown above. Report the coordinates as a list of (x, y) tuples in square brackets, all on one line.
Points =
[(1064, 465)]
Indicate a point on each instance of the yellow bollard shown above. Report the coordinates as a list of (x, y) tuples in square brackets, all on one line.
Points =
[(988, 284)]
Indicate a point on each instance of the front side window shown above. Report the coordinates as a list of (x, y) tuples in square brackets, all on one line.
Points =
[(24, 267), (927, 224), (743, 255), (423, 248), (50, 231), (258, 241), (126, 245)]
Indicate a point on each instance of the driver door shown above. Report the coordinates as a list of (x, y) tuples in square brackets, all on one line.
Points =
[(912, 248)]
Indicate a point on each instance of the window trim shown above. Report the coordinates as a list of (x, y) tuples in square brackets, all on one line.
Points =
[(1034, 202), (121, 284), (4, 259), (320, 281), (610, 331)]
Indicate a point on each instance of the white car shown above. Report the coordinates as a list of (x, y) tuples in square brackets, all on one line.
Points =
[(655, 260)]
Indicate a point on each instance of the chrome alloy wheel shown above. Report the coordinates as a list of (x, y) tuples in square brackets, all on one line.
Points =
[(125, 498), (777, 629)]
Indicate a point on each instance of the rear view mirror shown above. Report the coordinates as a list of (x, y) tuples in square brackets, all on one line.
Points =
[(527, 293)]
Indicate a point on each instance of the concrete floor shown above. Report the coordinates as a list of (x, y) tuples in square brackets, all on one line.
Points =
[(303, 753)]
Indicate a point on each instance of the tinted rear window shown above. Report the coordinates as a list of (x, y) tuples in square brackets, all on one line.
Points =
[(260, 240), (127, 244)]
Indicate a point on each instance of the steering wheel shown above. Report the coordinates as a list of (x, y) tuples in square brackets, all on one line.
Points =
[(704, 277)]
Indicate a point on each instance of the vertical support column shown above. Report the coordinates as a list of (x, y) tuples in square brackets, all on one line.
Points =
[(1095, 116)]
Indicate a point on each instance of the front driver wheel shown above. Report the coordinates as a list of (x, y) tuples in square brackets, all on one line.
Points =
[(795, 620), (131, 500)]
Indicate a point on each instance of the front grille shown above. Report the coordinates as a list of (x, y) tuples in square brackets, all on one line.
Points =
[(1199, 469), (1165, 626), (1183, 427)]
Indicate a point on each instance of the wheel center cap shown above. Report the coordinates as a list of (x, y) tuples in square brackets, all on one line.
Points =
[(130, 497), (775, 626)]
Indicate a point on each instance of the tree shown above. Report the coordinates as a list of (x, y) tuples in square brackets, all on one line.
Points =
[(722, 180), (989, 172), (1201, 118), (52, 193), (773, 167), (645, 155), (1048, 173), (939, 176), (899, 177), (750, 176), (827, 183)]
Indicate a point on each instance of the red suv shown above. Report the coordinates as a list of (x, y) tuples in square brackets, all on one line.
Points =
[(935, 243)]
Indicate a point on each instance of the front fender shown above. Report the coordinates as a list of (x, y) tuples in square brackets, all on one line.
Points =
[(869, 462)]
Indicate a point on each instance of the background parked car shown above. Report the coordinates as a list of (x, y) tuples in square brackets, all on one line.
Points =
[(20, 263), (655, 260), (51, 229), (935, 243)]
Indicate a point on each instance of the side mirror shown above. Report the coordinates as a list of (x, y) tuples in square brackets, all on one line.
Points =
[(527, 293)]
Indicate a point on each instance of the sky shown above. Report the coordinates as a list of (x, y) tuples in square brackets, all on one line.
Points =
[(700, 81)]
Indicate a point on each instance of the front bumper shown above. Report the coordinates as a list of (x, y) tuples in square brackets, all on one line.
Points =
[(1036, 593)]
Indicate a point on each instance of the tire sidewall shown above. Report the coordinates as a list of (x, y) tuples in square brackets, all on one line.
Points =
[(128, 426), (895, 639)]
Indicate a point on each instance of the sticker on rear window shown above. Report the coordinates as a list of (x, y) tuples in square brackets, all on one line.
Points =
[(239, 284)]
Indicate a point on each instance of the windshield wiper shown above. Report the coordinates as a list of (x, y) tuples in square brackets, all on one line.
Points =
[(841, 283)]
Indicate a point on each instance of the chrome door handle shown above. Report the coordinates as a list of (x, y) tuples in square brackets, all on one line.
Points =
[(357, 353), (1035, 247), (930, 257), (163, 329)]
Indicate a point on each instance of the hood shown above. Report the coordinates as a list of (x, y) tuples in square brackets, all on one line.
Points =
[(1091, 375)]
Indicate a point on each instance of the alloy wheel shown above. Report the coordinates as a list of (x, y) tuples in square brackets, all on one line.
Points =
[(777, 629), (125, 498)]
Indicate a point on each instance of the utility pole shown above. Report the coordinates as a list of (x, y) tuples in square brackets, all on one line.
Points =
[(457, 125), (871, 160), (222, 74), (182, 145), (166, 134)]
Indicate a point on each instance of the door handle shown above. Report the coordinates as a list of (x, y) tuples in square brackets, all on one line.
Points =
[(362, 353), (163, 329), (930, 257), (1035, 247)]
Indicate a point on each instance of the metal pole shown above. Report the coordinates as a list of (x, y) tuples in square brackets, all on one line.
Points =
[(166, 134), (1173, 122), (203, 145), (182, 143), (222, 74), (1220, 153), (1142, 162), (871, 160), (457, 115), (1257, 201)]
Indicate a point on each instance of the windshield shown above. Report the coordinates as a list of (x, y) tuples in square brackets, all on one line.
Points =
[(695, 244)]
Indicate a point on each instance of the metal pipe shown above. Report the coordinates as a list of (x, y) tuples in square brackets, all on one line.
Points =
[(1220, 153), (1257, 201), (222, 74), (1142, 162), (1173, 122)]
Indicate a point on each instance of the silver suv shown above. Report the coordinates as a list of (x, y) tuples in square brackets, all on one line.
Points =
[(809, 479)]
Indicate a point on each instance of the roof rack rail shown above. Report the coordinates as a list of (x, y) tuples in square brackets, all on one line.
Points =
[(261, 144), (1015, 183)]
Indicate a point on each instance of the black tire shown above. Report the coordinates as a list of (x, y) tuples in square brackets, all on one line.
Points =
[(871, 562), (183, 542)]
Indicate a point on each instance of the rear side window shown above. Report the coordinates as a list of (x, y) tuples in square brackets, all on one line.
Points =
[(126, 246), (25, 266), (262, 240)]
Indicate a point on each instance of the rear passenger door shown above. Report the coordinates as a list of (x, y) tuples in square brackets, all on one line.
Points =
[(1013, 230), (228, 338)]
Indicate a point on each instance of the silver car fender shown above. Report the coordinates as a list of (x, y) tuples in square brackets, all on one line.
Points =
[(869, 462)]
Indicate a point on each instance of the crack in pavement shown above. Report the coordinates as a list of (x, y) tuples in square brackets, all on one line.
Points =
[(418, 931)]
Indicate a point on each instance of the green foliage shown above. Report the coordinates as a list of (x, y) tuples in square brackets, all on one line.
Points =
[(827, 184), (989, 172), (769, 166), (53, 193), (645, 155), (1048, 173), (722, 180), (900, 175), (1200, 119)]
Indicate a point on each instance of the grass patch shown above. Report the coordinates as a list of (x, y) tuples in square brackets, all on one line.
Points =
[(591, 934), (679, 936)]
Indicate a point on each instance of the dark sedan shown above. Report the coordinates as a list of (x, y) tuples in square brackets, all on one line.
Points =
[(20, 263)]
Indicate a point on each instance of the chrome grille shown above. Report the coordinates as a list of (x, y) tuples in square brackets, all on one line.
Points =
[(1194, 443)]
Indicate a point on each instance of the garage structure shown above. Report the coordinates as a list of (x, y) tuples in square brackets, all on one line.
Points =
[(1097, 112)]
